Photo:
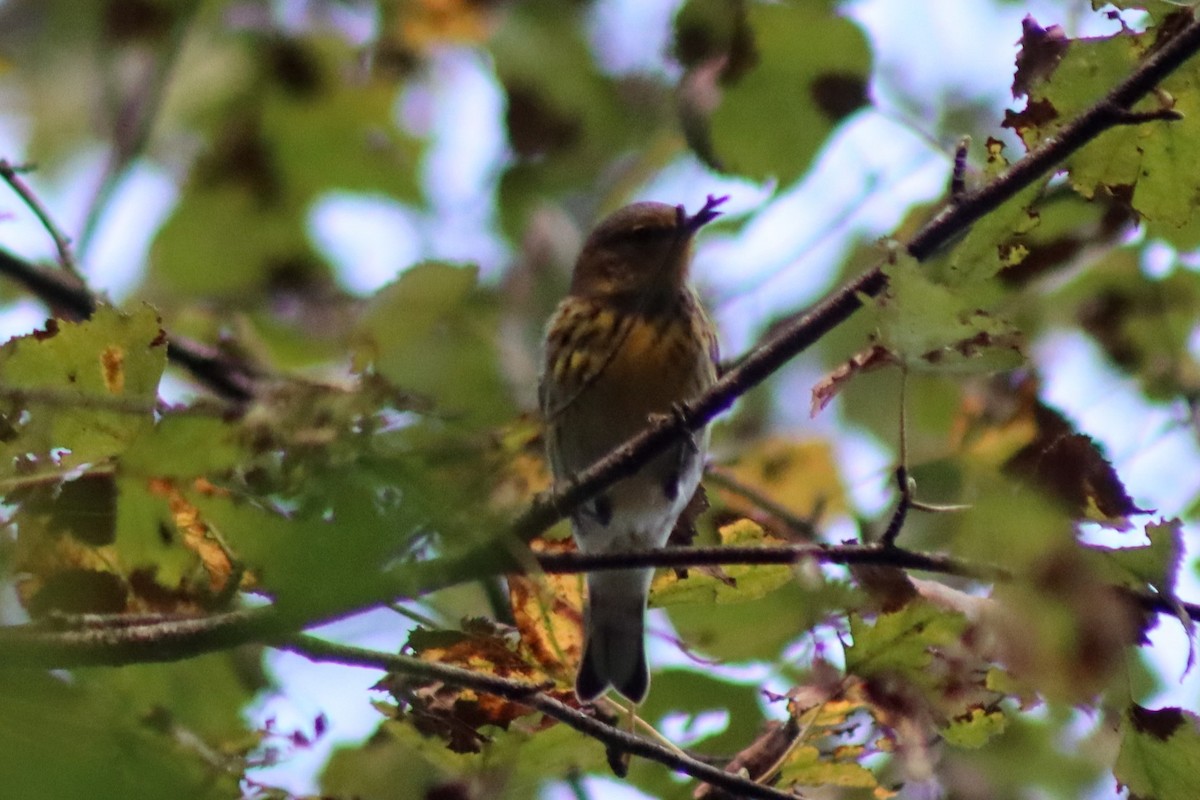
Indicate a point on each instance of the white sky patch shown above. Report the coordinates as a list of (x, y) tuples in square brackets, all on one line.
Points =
[(140, 205), (785, 258), (459, 103), (595, 787), (634, 36), (368, 239), (21, 317), (687, 729), (341, 693)]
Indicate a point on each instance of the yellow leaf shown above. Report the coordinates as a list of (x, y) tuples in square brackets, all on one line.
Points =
[(800, 477)]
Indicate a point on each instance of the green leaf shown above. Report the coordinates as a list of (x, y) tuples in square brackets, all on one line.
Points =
[(329, 554), (1160, 754), (73, 738), (260, 238), (183, 445), (1147, 164), (1155, 564), (975, 729), (935, 328), (995, 243), (396, 761), (781, 76), (738, 583), (718, 630), (89, 387), (432, 333), (332, 122), (901, 641), (808, 766)]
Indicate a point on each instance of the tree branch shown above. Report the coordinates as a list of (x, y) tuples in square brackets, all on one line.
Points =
[(625, 460), (116, 640), (532, 695), (845, 554)]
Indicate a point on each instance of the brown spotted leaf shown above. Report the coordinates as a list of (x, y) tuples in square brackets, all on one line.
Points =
[(456, 714), (548, 611)]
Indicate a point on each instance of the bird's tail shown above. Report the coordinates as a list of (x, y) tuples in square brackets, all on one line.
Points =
[(614, 653)]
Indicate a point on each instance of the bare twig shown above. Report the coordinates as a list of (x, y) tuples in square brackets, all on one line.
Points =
[(958, 177), (845, 554), (532, 696), (11, 173)]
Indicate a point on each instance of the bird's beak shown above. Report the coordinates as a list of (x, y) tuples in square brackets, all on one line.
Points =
[(702, 217)]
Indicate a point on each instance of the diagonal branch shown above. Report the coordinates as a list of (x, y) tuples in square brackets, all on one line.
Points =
[(532, 696), (1110, 111)]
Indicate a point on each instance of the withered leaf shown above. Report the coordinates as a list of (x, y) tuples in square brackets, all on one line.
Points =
[(1072, 468), (1041, 50)]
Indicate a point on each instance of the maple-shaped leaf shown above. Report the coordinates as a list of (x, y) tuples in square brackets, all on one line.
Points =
[(80, 392), (1145, 164), (933, 327)]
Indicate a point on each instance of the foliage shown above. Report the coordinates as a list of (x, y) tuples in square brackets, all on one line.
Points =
[(386, 446)]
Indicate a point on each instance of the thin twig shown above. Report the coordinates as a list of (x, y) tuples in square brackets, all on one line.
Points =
[(532, 695), (11, 173), (903, 481), (845, 554), (958, 177)]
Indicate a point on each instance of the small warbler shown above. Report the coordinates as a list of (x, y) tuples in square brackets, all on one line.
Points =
[(629, 342)]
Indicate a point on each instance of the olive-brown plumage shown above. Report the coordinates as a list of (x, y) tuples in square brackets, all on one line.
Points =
[(630, 341)]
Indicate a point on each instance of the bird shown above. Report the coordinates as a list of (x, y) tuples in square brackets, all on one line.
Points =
[(628, 344)]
